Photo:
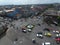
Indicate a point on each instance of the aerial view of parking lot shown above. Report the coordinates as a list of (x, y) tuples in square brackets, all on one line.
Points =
[(29, 22)]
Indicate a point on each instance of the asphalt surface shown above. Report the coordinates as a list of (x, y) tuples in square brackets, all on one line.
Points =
[(14, 32)]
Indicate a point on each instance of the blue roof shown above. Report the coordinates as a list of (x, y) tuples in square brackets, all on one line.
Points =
[(12, 14)]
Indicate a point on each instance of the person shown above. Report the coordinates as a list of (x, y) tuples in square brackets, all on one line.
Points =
[(15, 41), (39, 24), (17, 28), (33, 40)]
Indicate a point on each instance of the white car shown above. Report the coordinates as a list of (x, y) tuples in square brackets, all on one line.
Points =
[(40, 35), (57, 35), (46, 43), (56, 31), (29, 30), (25, 31)]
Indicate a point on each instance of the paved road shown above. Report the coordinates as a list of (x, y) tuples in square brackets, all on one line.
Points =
[(26, 38)]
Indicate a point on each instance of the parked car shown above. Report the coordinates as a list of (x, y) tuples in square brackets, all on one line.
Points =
[(46, 43), (29, 30), (56, 31), (57, 39), (57, 35), (40, 35), (24, 30), (48, 34), (46, 29)]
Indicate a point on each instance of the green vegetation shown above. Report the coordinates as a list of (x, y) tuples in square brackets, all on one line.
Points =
[(58, 18)]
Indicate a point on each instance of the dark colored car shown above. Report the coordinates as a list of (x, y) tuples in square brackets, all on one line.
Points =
[(40, 35), (24, 30), (46, 29)]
